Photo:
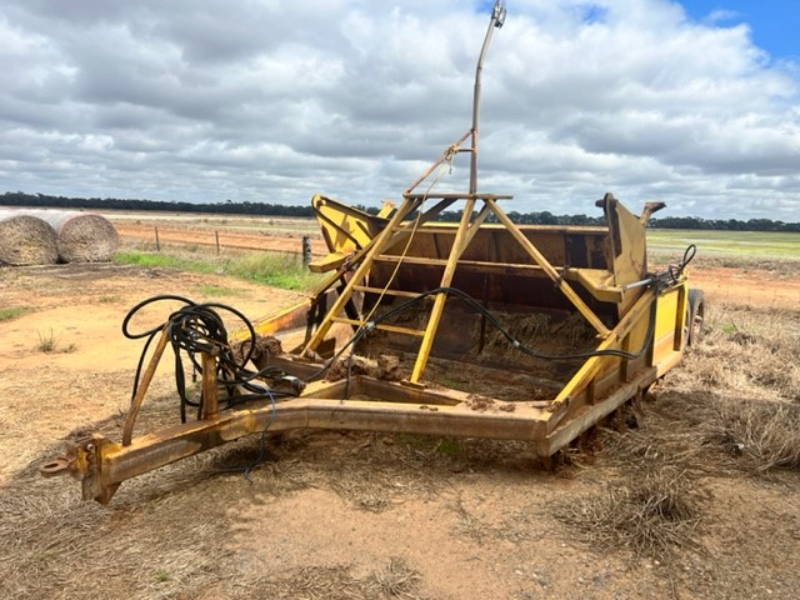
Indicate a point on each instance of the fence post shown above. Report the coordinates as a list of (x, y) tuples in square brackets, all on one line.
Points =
[(306, 250), (216, 234), (158, 242)]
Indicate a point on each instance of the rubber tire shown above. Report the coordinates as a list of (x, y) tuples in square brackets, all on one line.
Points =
[(696, 316)]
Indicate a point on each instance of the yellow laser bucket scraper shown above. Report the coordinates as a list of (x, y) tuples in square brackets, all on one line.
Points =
[(480, 328)]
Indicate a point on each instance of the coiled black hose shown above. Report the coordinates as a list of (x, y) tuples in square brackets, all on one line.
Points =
[(196, 328)]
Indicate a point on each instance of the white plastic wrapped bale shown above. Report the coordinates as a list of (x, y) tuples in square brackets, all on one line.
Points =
[(80, 236), (26, 240)]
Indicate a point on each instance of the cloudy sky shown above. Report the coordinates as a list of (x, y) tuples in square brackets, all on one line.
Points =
[(694, 103)]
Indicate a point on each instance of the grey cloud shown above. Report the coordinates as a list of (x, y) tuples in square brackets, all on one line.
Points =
[(204, 100)]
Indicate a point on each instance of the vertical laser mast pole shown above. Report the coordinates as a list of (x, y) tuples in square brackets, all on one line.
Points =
[(466, 227), (497, 20)]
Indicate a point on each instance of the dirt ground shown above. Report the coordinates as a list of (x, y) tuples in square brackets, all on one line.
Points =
[(273, 241), (356, 515), (749, 287)]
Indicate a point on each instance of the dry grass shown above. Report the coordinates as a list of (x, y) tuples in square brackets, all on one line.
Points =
[(394, 581), (739, 390), (55, 546), (510, 521), (530, 329), (655, 504), (707, 435), (47, 343), (160, 546), (762, 436), (746, 353), (731, 407), (773, 268), (537, 330), (50, 537), (307, 583), (652, 514), (367, 471)]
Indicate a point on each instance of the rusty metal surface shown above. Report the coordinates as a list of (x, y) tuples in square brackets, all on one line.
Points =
[(144, 385), (210, 405), (580, 254)]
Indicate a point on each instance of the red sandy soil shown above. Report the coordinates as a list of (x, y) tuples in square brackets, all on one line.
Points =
[(290, 243)]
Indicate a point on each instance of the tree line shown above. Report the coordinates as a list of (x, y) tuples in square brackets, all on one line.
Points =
[(229, 207)]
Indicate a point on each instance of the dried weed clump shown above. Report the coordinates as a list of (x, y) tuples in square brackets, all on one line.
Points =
[(763, 436), (395, 580), (733, 406), (739, 391), (709, 435), (656, 507), (651, 514)]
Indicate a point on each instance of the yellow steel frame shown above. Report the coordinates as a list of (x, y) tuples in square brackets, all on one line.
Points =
[(102, 464), (464, 234), (601, 384)]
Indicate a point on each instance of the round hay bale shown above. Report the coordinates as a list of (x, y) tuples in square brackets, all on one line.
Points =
[(26, 240), (80, 237), (84, 237)]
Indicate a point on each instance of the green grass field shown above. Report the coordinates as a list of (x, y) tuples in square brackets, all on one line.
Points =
[(741, 244), (275, 269)]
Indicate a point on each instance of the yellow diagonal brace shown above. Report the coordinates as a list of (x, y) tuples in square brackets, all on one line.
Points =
[(634, 316), (551, 272), (402, 232), (475, 226), (144, 384), (380, 243), (459, 244)]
